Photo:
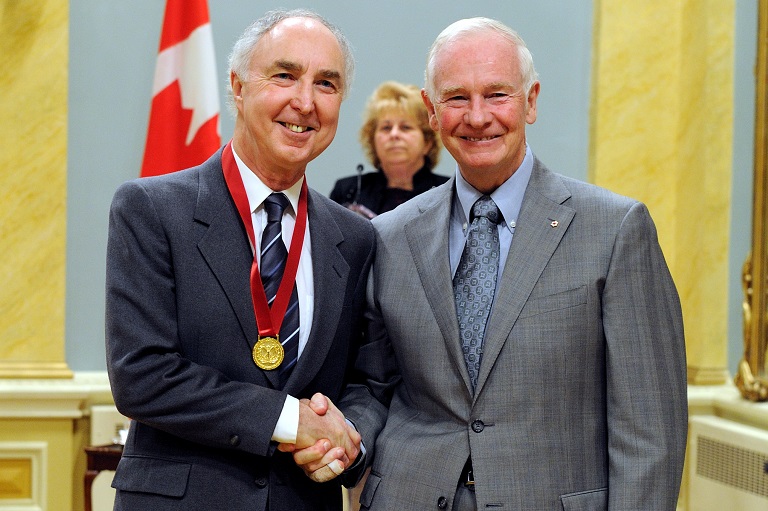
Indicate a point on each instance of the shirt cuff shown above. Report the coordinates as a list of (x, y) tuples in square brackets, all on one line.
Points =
[(361, 456), (287, 427)]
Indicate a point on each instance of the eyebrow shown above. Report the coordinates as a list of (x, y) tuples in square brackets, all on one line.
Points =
[(288, 65), (449, 91), (503, 85), (330, 74)]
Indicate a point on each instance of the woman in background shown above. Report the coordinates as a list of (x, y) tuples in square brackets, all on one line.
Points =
[(398, 141)]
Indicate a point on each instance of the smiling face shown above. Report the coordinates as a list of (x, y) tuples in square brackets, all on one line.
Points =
[(480, 108), (400, 147), (288, 105)]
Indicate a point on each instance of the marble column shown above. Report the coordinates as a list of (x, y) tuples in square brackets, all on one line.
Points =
[(33, 189), (661, 132)]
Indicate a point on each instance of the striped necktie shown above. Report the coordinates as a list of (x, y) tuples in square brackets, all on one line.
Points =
[(273, 258)]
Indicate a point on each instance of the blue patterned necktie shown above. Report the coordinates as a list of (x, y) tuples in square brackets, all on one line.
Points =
[(474, 284), (273, 258)]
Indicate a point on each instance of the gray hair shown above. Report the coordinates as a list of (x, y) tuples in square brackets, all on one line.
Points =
[(242, 51), (476, 25)]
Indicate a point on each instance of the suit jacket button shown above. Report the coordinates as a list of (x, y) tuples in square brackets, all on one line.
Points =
[(261, 482), (234, 440), (442, 503), (478, 426)]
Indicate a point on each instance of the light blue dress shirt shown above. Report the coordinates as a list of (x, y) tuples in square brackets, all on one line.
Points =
[(508, 197)]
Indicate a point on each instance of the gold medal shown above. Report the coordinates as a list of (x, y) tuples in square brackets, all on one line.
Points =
[(268, 353)]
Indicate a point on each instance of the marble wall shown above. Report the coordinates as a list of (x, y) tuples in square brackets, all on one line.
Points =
[(662, 132), (33, 194)]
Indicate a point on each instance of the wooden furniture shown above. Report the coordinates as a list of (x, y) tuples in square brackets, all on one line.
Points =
[(100, 457)]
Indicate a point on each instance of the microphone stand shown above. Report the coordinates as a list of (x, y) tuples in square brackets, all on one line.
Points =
[(359, 182), (355, 205)]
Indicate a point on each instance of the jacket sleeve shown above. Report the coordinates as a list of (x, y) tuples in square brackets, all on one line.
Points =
[(645, 371), (375, 375), (154, 378)]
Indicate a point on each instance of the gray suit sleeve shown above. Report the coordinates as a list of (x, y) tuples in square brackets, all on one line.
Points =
[(645, 371), (366, 400)]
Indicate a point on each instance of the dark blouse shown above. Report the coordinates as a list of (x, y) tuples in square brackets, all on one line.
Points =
[(374, 194)]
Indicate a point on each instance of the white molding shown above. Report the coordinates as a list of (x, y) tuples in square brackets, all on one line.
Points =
[(53, 398), (725, 401)]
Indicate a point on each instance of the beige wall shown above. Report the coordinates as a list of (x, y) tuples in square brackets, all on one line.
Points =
[(662, 117), (33, 190), (655, 64)]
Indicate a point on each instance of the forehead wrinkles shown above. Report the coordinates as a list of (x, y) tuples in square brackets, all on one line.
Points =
[(287, 44), (460, 69)]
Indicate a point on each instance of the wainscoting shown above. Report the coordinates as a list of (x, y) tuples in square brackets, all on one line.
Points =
[(45, 426)]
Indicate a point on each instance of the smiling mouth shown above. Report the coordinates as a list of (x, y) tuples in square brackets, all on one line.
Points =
[(479, 139), (295, 127)]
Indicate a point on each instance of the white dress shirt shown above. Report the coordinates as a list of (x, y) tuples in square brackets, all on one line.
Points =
[(288, 423)]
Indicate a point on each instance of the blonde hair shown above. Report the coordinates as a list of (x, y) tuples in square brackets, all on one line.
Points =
[(399, 97)]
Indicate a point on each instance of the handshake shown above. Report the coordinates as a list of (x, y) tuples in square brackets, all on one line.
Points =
[(326, 444)]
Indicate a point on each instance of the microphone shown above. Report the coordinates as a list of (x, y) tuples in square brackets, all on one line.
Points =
[(359, 182)]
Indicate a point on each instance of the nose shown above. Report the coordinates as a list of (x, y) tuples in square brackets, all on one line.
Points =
[(304, 98), (394, 132), (477, 114)]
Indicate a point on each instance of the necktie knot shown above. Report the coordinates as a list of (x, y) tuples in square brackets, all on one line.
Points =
[(485, 207), (275, 205)]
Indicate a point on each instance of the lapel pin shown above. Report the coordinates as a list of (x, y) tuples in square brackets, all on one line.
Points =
[(554, 223)]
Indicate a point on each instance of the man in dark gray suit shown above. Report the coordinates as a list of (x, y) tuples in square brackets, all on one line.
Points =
[(525, 332), (196, 353)]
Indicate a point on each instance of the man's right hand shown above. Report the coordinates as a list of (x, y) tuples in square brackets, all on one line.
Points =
[(325, 443)]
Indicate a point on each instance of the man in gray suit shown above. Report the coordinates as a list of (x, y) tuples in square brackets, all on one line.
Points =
[(198, 354), (572, 394)]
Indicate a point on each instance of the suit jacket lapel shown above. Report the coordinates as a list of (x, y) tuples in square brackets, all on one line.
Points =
[(542, 222), (330, 272), (430, 255), (226, 249)]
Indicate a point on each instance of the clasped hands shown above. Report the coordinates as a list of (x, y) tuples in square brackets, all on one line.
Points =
[(325, 443)]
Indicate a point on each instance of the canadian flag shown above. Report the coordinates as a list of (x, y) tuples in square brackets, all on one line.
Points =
[(184, 119)]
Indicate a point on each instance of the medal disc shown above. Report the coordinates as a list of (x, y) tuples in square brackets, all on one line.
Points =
[(268, 353)]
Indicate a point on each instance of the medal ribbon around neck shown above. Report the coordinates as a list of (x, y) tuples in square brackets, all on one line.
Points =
[(268, 320)]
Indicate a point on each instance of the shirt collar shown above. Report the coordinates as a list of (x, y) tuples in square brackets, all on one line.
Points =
[(258, 191), (508, 197)]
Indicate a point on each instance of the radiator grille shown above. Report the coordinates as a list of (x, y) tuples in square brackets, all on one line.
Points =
[(734, 466)]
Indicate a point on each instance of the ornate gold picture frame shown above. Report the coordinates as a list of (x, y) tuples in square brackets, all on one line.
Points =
[(752, 375)]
